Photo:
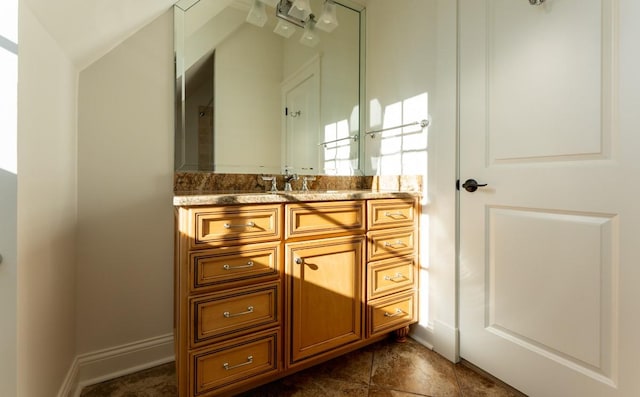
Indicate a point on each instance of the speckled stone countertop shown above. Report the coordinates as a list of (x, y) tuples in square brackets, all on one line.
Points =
[(198, 198)]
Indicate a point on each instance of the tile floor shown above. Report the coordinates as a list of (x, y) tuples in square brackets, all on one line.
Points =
[(384, 369)]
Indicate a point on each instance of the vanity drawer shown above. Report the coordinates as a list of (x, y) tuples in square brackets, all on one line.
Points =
[(390, 213), (390, 243), (394, 312), (227, 364), (312, 219), (389, 276), (216, 226), (241, 310), (229, 266)]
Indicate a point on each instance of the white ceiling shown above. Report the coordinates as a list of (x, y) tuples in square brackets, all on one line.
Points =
[(88, 29)]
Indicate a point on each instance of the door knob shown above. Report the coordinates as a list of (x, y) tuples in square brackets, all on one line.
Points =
[(471, 185)]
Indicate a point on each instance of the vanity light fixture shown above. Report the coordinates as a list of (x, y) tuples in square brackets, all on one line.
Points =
[(270, 3), (257, 14), (328, 20), (282, 12), (300, 9), (310, 36), (284, 28), (292, 13)]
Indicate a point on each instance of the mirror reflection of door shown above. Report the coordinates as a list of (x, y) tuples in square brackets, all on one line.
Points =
[(301, 97)]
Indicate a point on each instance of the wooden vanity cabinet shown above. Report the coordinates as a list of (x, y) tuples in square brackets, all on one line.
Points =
[(392, 299), (265, 290), (324, 277), (228, 297)]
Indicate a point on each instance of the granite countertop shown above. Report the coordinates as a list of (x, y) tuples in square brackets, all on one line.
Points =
[(217, 198)]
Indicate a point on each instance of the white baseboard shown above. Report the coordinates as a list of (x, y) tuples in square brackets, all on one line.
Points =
[(101, 365), (423, 334), (446, 341)]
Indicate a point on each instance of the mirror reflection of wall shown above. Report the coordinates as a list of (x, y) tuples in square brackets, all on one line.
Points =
[(273, 100)]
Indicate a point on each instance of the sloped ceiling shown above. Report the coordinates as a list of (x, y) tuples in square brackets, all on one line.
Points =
[(88, 29)]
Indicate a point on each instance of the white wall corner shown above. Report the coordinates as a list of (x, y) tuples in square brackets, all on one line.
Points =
[(445, 341), (98, 366)]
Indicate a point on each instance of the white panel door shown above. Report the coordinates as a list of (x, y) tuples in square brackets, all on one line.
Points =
[(549, 260), (301, 100)]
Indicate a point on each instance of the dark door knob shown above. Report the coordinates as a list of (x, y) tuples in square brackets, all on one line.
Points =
[(471, 185)]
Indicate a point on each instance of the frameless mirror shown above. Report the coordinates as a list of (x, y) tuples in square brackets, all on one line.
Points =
[(251, 100)]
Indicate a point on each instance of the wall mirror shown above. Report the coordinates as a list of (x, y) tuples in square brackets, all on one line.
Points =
[(268, 94)]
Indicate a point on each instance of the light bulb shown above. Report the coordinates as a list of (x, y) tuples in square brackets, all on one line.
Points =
[(328, 20), (310, 36), (257, 14), (284, 28), (301, 9)]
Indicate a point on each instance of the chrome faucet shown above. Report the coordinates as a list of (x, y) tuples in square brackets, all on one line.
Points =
[(287, 181), (273, 182), (305, 180)]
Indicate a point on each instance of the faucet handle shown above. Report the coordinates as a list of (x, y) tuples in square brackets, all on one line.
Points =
[(274, 187), (305, 186)]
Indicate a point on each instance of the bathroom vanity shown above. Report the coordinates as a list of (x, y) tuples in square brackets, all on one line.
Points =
[(267, 284)]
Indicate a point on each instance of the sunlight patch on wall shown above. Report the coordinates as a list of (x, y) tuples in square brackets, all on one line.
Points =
[(8, 86), (341, 158), (337, 155), (398, 151)]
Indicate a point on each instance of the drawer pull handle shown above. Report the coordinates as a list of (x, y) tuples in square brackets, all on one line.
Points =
[(228, 267), (248, 224), (228, 367), (397, 244), (397, 276), (228, 315), (397, 313), (394, 214)]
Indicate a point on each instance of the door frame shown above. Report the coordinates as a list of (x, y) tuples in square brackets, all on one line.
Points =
[(442, 197)]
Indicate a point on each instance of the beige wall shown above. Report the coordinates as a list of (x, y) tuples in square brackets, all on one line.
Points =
[(125, 180), (401, 43), (411, 51), (400, 82), (249, 61), (46, 216)]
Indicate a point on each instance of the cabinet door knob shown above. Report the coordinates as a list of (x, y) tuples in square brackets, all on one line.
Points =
[(299, 261)]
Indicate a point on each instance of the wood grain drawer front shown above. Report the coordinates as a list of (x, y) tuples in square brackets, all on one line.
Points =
[(230, 266), (236, 225), (391, 275), (391, 313), (223, 366), (235, 311), (390, 243), (313, 219), (390, 213)]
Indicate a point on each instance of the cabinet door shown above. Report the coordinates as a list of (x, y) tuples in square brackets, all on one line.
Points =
[(325, 295)]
